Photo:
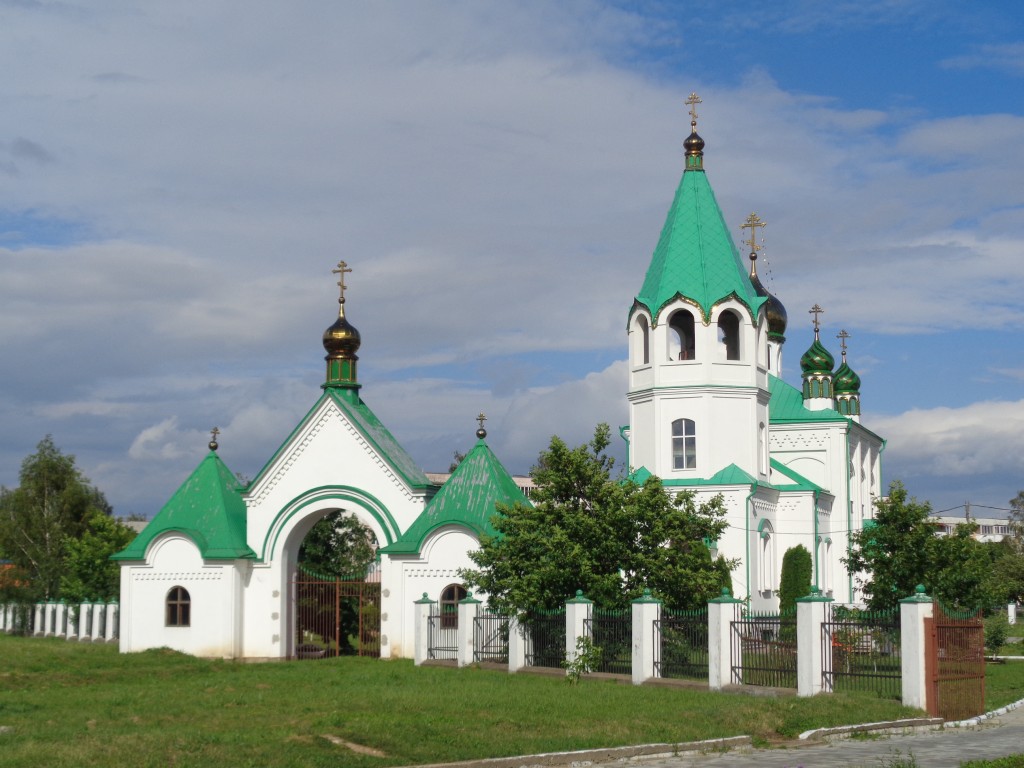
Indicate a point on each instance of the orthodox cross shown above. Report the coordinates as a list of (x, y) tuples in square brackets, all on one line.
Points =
[(693, 100), (342, 269), (816, 310), (843, 336), (753, 222), (481, 432), (213, 438)]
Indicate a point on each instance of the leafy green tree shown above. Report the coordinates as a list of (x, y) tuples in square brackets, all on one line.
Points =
[(89, 573), (589, 531), (795, 582), (960, 570), (338, 546), (1006, 573), (1016, 522), (50, 506)]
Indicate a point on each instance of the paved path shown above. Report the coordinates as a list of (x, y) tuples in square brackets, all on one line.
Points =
[(945, 748)]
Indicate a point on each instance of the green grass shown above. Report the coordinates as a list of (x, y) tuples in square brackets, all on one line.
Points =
[(1010, 761), (1004, 684), (84, 705)]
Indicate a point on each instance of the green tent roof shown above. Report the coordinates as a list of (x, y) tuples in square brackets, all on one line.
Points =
[(208, 508), (467, 499), (695, 257)]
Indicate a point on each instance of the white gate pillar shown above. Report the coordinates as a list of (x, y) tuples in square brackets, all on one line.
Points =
[(722, 611), (421, 629), (914, 642), (469, 606), (646, 611), (577, 610), (810, 658), (1011, 613)]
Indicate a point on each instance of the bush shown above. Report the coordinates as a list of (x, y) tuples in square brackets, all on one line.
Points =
[(997, 629), (797, 570)]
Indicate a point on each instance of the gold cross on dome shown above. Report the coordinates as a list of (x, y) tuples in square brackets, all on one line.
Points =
[(693, 100), (213, 438), (843, 336), (342, 270), (481, 419), (816, 310), (753, 222)]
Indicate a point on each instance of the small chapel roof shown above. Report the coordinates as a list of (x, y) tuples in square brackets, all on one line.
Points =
[(696, 257), (208, 508), (467, 499), (787, 405)]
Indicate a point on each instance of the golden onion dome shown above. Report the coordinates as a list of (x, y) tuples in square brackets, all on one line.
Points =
[(341, 339)]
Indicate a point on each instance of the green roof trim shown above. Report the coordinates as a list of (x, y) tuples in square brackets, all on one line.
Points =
[(800, 483), (208, 508), (787, 405), (695, 258), (467, 499), (370, 427)]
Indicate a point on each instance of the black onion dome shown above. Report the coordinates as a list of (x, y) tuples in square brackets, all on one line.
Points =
[(777, 317)]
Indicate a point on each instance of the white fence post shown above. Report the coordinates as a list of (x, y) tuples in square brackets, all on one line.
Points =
[(721, 613), (646, 611), (516, 645), (84, 619), (60, 619), (49, 614), (577, 610), (39, 620), (113, 617), (810, 615), (421, 647), (1011, 613), (74, 621), (469, 606), (913, 611), (99, 615)]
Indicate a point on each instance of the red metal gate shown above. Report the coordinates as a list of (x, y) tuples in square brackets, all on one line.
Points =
[(335, 618), (955, 665)]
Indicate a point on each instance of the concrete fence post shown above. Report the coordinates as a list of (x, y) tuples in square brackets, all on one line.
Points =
[(469, 607), (61, 619), (1011, 613), (577, 611), (810, 656), (914, 643), (646, 611), (49, 614), (99, 617), (39, 620), (722, 611), (113, 622), (85, 622), (421, 630), (516, 645)]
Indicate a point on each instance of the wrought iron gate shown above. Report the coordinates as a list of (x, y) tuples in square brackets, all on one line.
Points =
[(955, 664), (335, 618), (764, 649)]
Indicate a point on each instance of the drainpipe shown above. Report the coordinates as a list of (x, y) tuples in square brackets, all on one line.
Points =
[(814, 511), (748, 506), (849, 511)]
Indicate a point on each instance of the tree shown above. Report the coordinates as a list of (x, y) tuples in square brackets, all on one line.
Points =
[(338, 546), (608, 537), (795, 582), (89, 573), (1016, 522), (903, 550), (50, 506)]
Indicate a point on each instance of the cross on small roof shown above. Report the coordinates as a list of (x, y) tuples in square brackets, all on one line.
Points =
[(481, 432), (752, 223), (816, 310), (341, 271), (693, 100), (213, 438), (843, 336)]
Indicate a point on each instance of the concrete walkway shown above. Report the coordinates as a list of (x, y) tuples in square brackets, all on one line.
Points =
[(946, 747)]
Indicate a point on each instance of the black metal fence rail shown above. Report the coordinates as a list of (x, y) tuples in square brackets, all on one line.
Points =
[(442, 636), (763, 650), (681, 645), (490, 638), (611, 632), (544, 632), (861, 651)]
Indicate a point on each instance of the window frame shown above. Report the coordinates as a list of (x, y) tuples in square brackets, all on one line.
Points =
[(684, 443), (178, 607), (448, 605)]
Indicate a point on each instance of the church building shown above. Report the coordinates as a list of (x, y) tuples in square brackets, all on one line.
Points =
[(216, 572)]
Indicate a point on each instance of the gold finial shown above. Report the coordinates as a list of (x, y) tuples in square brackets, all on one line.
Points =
[(213, 438), (816, 310), (341, 271), (693, 100), (481, 432), (843, 336)]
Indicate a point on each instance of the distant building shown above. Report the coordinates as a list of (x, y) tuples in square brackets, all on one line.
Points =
[(989, 528)]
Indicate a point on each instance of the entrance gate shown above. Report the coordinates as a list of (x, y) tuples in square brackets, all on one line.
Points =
[(334, 617), (955, 665)]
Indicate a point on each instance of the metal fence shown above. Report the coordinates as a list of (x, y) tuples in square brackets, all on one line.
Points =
[(544, 632), (955, 663), (611, 632), (490, 638), (442, 635), (763, 649), (860, 651), (681, 644)]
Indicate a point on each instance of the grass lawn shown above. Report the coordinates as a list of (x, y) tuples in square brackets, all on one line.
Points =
[(1004, 684), (70, 704)]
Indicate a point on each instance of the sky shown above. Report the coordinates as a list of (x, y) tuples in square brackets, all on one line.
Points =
[(178, 180)]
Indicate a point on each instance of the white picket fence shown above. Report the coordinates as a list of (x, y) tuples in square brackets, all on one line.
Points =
[(84, 622)]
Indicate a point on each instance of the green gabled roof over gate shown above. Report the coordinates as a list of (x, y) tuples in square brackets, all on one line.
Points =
[(467, 499), (696, 258), (208, 508)]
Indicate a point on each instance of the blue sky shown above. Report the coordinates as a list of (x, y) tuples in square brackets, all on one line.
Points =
[(177, 181)]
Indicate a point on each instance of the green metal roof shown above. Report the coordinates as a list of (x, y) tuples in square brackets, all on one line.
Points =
[(787, 405), (371, 428), (730, 475), (467, 498), (799, 482), (208, 508), (695, 257)]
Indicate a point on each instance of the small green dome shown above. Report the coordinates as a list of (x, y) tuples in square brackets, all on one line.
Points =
[(817, 359), (845, 380)]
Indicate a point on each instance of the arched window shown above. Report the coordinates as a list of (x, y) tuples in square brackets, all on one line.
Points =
[(450, 597), (729, 334), (684, 444), (179, 608), (682, 344), (643, 352)]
